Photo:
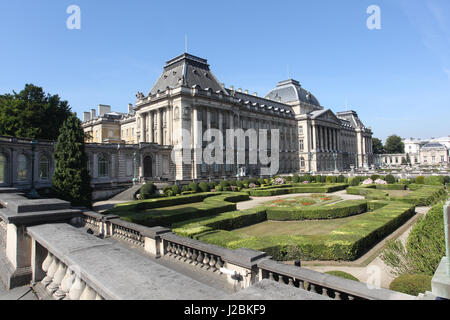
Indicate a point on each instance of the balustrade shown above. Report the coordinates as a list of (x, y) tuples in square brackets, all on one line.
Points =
[(194, 256), (64, 283), (125, 233), (303, 284)]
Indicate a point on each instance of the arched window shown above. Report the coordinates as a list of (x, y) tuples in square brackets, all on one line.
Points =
[(22, 171), (3, 168), (103, 166), (44, 167), (302, 162)]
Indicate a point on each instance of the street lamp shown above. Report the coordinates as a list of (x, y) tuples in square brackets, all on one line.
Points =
[(33, 193), (335, 162)]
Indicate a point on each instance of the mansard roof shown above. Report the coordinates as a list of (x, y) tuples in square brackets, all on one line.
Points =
[(434, 145), (189, 71), (291, 91)]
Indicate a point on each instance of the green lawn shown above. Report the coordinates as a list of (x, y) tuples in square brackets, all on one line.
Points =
[(304, 227)]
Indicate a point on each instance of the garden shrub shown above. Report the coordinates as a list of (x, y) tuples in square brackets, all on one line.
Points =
[(390, 179), (412, 284), (331, 179), (194, 187), (447, 179), (375, 177), (420, 180), (204, 187), (341, 179), (296, 178), (176, 189), (342, 274), (354, 181), (147, 190)]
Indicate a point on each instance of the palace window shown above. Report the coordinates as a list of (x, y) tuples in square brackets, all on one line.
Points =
[(300, 130), (103, 166), (302, 162), (88, 165), (204, 169), (216, 167), (301, 145), (22, 171), (442, 159), (3, 166), (44, 165)]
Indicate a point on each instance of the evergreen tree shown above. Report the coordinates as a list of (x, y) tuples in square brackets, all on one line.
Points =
[(71, 180)]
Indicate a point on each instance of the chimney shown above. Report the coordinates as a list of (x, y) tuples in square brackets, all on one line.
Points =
[(246, 92), (240, 90), (232, 88), (130, 108), (93, 114), (255, 94), (86, 116), (102, 109)]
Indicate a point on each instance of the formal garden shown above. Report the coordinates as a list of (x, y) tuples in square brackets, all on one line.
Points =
[(304, 219)]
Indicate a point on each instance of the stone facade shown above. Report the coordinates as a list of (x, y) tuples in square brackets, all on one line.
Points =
[(188, 98)]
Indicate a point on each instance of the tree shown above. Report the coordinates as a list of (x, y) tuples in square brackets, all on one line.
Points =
[(377, 146), (394, 145), (71, 180), (32, 114)]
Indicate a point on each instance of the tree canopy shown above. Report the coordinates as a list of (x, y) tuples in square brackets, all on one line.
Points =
[(32, 113), (394, 144), (71, 180), (378, 147)]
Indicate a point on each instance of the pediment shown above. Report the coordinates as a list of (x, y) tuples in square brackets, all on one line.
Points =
[(326, 115)]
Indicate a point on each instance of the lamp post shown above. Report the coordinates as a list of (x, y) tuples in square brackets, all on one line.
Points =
[(335, 162), (33, 193)]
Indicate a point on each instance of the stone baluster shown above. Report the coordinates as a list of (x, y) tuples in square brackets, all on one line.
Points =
[(51, 272), (88, 293), (206, 261), (281, 279), (77, 289), (194, 257), (337, 295), (291, 282), (189, 255), (301, 284), (212, 263), (200, 258), (219, 264), (58, 277), (47, 262), (63, 292), (271, 277), (169, 248), (324, 292)]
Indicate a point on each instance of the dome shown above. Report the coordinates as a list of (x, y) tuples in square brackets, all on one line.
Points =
[(291, 91)]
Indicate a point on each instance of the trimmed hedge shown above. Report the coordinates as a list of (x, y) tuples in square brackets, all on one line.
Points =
[(426, 242), (412, 284), (225, 221), (168, 215), (342, 274), (333, 211), (161, 202), (309, 188), (345, 243)]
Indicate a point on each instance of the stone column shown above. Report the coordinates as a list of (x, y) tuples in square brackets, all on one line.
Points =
[(151, 127), (160, 124), (314, 137), (142, 137)]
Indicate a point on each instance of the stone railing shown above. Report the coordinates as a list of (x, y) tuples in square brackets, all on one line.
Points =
[(128, 232), (324, 284), (202, 255), (93, 221), (3, 233), (63, 283)]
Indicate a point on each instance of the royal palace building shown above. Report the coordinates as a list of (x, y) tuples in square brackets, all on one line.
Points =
[(188, 99)]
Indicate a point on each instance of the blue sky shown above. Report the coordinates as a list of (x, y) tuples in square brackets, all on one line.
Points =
[(396, 78)]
